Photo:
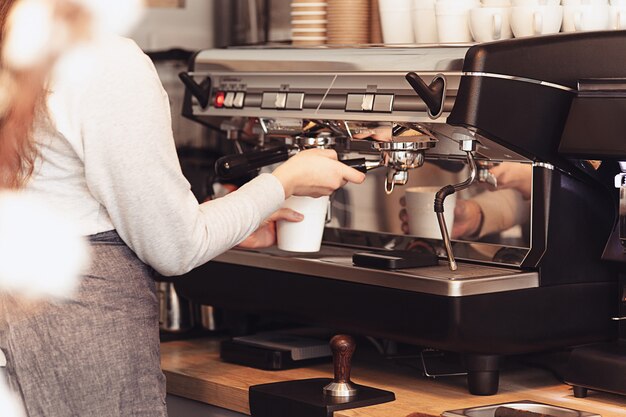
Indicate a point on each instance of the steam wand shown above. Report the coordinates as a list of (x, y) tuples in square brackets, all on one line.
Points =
[(468, 146)]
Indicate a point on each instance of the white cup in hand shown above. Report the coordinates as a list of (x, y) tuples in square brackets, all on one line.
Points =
[(490, 24), (306, 235), (420, 209)]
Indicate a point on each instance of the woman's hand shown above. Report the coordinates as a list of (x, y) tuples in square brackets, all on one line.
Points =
[(315, 173), (514, 175), (265, 235)]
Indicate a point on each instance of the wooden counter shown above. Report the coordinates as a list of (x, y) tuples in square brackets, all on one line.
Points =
[(194, 370)]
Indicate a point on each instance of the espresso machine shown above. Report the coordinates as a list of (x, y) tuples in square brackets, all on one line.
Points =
[(436, 115)]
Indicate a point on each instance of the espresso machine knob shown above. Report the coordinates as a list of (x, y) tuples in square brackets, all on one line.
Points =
[(343, 347)]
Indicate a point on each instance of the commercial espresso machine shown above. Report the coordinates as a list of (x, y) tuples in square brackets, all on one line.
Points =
[(436, 115)]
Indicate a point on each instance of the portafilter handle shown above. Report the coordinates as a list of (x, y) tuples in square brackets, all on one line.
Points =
[(343, 347), (230, 167)]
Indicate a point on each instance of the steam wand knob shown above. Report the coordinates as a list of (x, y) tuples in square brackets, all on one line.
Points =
[(343, 347), (202, 91), (433, 94)]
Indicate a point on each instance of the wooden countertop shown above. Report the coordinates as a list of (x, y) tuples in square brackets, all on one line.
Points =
[(194, 370)]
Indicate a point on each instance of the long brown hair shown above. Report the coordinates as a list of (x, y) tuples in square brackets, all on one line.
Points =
[(23, 97)]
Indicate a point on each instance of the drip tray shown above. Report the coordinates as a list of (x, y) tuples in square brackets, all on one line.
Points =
[(520, 406)]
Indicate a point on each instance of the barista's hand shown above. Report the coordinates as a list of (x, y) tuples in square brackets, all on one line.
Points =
[(468, 219), (514, 175), (315, 173), (265, 235)]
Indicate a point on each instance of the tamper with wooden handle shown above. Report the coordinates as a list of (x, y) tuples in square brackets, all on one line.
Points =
[(343, 347)]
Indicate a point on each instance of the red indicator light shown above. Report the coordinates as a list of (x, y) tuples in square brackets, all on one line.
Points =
[(219, 99)]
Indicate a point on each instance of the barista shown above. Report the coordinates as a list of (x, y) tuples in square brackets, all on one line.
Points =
[(99, 148)]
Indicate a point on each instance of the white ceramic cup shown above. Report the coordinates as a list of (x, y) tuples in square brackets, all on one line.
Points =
[(583, 2), (396, 20), (453, 20), (536, 20), (528, 3), (490, 24), (422, 219), (617, 17), (496, 3), (585, 17), (304, 236), (424, 21)]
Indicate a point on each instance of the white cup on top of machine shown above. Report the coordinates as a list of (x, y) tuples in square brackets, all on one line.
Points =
[(536, 20), (425, 21), (490, 24), (422, 219), (453, 20), (617, 17), (585, 17), (306, 235), (396, 21)]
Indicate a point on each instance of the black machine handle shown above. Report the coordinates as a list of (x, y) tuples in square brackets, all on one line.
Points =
[(200, 91), (357, 163), (235, 166), (433, 94)]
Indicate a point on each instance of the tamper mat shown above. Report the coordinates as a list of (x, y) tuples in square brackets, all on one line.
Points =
[(305, 398)]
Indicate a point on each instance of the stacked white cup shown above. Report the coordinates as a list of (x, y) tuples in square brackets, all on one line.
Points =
[(453, 20), (617, 14), (491, 22), (425, 21), (535, 17), (396, 21), (583, 15)]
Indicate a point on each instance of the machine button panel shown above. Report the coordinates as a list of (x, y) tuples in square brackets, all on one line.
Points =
[(294, 101), (354, 102), (281, 100), (368, 102), (228, 99), (238, 100), (383, 103), (268, 101)]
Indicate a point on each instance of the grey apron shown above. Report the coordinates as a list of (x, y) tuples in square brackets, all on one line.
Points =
[(97, 354)]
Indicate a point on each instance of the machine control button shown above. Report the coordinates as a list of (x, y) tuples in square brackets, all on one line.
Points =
[(294, 101), (368, 102), (268, 101), (238, 100), (354, 102), (383, 103), (281, 100), (228, 100)]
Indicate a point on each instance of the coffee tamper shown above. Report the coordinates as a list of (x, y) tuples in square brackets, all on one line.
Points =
[(343, 347)]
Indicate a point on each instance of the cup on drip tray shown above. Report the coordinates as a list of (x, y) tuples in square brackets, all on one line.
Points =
[(308, 22)]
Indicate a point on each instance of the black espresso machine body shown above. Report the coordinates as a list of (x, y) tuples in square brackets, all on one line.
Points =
[(513, 98)]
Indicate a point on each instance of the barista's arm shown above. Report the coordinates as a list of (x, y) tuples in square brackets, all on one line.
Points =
[(497, 211)]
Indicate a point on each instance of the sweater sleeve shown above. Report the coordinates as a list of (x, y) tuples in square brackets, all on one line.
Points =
[(132, 169)]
